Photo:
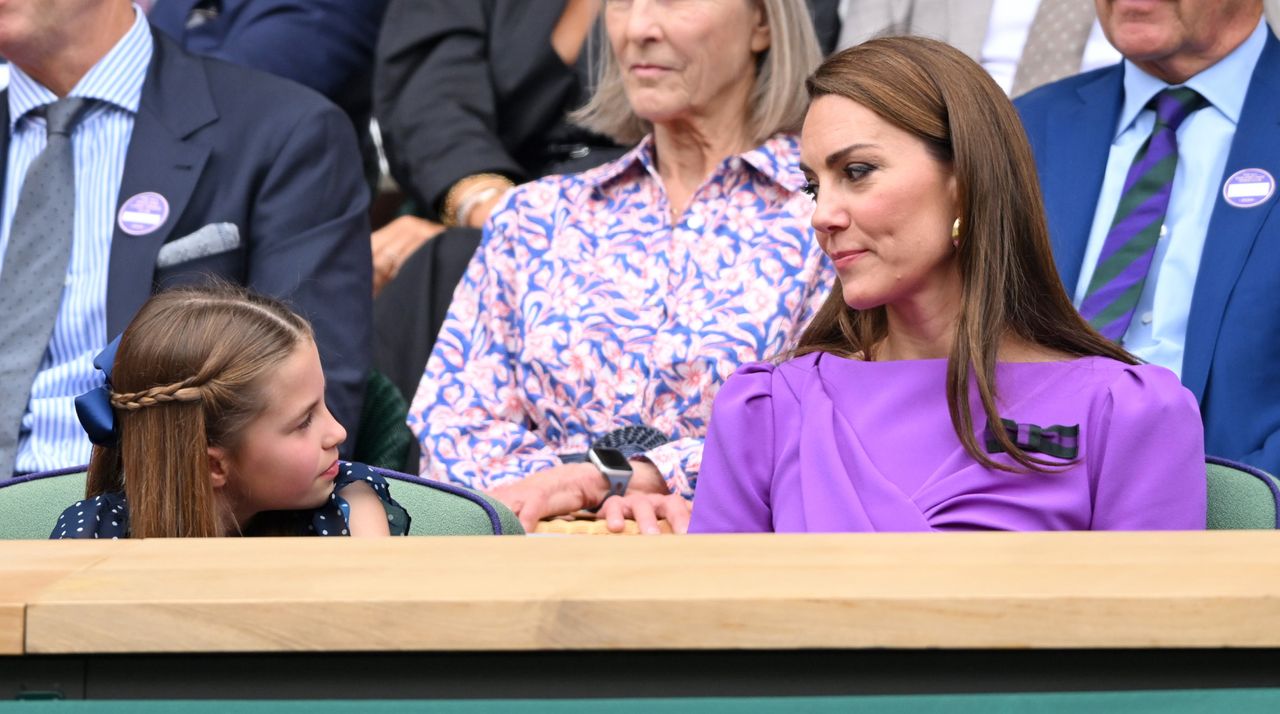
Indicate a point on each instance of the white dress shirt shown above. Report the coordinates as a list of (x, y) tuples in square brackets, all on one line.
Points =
[(1007, 34), (51, 436)]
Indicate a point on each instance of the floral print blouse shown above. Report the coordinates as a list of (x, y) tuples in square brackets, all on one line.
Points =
[(586, 309)]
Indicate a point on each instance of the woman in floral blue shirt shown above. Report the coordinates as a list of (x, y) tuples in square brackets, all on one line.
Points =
[(627, 294)]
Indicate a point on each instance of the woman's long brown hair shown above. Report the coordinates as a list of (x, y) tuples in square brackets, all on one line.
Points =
[(1010, 284), (188, 375)]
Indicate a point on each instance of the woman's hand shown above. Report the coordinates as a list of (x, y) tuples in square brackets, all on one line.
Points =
[(395, 242), (646, 509), (556, 491), (647, 500)]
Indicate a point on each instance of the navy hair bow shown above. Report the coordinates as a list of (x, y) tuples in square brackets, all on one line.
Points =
[(94, 407)]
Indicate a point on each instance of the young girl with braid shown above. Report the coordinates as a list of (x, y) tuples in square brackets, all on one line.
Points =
[(213, 423)]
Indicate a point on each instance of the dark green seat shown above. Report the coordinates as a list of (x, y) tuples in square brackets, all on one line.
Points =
[(383, 438), (1241, 497)]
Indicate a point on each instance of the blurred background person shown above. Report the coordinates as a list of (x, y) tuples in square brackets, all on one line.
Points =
[(472, 98), (1021, 44)]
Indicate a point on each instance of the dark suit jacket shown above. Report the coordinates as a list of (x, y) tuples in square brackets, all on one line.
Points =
[(1233, 330), (226, 144), (327, 45), (826, 23), (471, 86)]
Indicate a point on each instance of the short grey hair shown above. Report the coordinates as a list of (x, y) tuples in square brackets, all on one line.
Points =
[(778, 100)]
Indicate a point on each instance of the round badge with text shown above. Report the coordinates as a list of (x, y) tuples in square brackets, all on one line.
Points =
[(143, 213), (1247, 188)]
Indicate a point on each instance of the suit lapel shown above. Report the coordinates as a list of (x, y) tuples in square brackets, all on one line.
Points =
[(1076, 153), (1233, 231), (161, 159)]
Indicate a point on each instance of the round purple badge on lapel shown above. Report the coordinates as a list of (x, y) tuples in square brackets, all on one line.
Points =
[(143, 213), (1248, 188)]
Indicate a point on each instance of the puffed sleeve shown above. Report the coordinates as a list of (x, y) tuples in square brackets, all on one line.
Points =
[(732, 494), (105, 516), (323, 519), (1147, 462)]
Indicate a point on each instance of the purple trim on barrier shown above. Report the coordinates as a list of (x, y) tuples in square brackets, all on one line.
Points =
[(494, 519), (1255, 472), (43, 474)]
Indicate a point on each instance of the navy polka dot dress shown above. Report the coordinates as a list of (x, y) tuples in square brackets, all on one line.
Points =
[(107, 516)]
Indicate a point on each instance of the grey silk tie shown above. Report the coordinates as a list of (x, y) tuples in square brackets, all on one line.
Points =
[(1055, 43), (35, 268)]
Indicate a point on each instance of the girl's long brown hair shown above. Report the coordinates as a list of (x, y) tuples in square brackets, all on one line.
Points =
[(188, 375), (1010, 284)]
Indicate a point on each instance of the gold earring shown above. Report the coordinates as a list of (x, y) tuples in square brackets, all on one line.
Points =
[(955, 233)]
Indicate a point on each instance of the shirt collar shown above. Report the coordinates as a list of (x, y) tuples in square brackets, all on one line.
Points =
[(115, 79), (1224, 84), (778, 159)]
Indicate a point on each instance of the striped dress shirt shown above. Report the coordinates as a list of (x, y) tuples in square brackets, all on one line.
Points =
[(51, 437)]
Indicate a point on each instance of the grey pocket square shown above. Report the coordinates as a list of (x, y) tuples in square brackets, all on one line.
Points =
[(212, 239)]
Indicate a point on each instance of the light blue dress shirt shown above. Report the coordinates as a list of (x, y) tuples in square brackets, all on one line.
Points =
[(51, 437), (1159, 328)]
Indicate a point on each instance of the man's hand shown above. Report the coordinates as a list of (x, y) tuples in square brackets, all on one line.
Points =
[(395, 242)]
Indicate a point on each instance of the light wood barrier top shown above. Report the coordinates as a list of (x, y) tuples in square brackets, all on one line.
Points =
[(970, 590), (26, 569)]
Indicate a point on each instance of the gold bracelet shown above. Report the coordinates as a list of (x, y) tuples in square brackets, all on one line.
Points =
[(450, 215)]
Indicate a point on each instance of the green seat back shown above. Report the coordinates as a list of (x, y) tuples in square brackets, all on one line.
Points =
[(1241, 497), (382, 438), (30, 506), (443, 509)]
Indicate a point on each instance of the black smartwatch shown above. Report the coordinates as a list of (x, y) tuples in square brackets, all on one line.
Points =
[(614, 466)]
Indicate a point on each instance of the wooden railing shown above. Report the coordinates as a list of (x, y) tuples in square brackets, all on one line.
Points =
[(964, 590)]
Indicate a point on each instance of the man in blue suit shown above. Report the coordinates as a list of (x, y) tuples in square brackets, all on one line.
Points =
[(184, 167), (1159, 176)]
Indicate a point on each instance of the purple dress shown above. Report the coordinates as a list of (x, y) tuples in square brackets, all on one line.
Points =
[(825, 444)]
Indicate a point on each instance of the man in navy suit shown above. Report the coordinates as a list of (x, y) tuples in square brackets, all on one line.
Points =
[(1181, 141), (259, 175)]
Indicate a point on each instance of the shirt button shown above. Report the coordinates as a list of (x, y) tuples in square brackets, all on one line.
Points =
[(1147, 317), (1164, 231)]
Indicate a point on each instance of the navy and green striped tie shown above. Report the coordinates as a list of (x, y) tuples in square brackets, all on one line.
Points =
[(1126, 255)]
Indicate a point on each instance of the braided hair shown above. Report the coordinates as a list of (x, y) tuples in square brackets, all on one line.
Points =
[(189, 375)]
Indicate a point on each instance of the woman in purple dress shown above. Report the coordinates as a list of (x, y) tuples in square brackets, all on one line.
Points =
[(947, 383)]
